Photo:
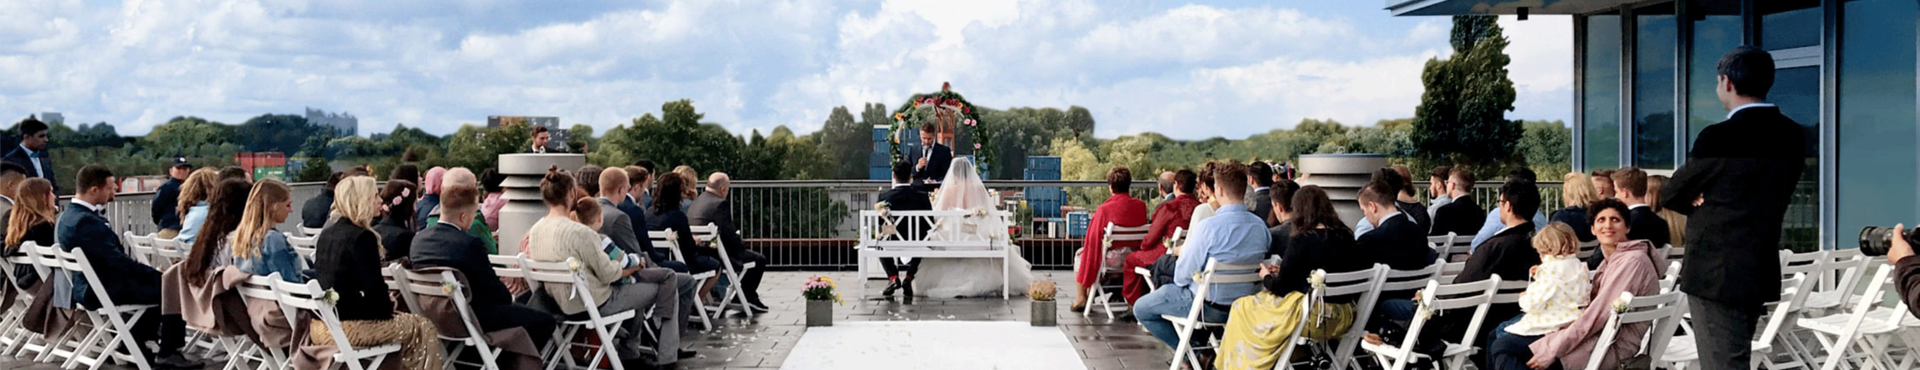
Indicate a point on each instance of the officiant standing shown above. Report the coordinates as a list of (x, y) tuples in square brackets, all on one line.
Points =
[(936, 159)]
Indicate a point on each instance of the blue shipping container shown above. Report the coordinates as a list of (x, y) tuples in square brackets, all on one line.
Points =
[(879, 134), (1077, 224), (1042, 175), (1043, 163), (880, 173)]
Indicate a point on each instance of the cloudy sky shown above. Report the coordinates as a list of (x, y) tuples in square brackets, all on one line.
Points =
[(1189, 70)]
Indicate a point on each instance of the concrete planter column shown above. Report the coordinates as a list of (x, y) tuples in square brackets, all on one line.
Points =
[(1342, 176), (522, 192)]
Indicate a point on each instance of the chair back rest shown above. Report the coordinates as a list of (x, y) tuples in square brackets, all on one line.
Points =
[(1843, 270), (1406, 280), (1456, 296), (1451, 270), (1361, 282), (139, 248), (561, 272), (304, 246), (1778, 311), (707, 232), (76, 261), (442, 284), (42, 258), (1662, 311), (1587, 249), (1178, 236), (665, 239), (1509, 291), (1454, 245), (395, 276), (169, 251), (508, 266), (309, 298), (1118, 233), (309, 231), (259, 287), (1876, 294)]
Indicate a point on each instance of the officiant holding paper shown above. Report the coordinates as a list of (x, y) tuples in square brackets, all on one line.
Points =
[(937, 157)]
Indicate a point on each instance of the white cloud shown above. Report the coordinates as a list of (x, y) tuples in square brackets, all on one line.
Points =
[(747, 65)]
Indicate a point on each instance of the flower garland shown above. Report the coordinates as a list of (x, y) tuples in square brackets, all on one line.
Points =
[(925, 108)]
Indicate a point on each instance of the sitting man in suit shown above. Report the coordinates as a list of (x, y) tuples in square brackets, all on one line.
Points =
[(1460, 216), (1260, 199), (713, 207), (904, 197), (1398, 241), (618, 225), (1630, 187), (637, 178), (446, 244), (313, 214), (84, 226)]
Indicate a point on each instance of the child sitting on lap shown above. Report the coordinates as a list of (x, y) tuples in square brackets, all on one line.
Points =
[(1560, 288), (586, 211)]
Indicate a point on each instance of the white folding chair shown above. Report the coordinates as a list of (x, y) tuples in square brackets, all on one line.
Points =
[(1179, 235), (1364, 286), (1452, 245), (1660, 311), (736, 289), (112, 336), (1682, 351), (604, 326), (309, 231), (47, 262), (167, 252), (1477, 295), (666, 239), (260, 289), (1859, 335), (140, 247), (1215, 273), (1452, 270), (311, 299), (446, 286), (14, 335), (1100, 292), (305, 247)]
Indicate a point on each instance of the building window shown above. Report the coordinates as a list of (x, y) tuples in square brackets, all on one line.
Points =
[(1600, 86), (1716, 31), (1655, 38), (1877, 163), (1787, 24)]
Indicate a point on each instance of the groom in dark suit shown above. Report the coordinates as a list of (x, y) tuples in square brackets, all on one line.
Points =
[(903, 197), (938, 157), (84, 226)]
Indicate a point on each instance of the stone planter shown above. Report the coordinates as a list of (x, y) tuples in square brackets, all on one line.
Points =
[(1043, 313), (819, 313)]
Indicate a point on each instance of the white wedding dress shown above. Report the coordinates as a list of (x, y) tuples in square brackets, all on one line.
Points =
[(971, 277)]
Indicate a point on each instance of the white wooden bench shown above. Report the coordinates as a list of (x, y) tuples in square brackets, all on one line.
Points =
[(932, 234)]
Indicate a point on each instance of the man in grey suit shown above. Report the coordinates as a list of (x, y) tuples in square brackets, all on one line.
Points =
[(618, 224), (713, 207)]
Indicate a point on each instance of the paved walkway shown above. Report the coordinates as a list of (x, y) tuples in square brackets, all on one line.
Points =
[(765, 341)]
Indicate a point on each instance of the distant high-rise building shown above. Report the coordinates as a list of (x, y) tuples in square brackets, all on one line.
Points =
[(559, 134), (52, 117), (344, 122)]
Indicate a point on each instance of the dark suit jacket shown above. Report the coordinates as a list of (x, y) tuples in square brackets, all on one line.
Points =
[(1398, 243), (80, 227), (1418, 212), (1576, 218), (442, 245), (396, 236), (19, 156), (637, 216), (1643, 224), (1508, 254), (1747, 168), (1462, 217), (348, 262), (710, 208), (1260, 202), (551, 149), (314, 213), (165, 205), (937, 164), (907, 198)]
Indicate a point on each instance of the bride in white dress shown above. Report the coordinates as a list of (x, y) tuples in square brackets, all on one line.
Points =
[(971, 277)]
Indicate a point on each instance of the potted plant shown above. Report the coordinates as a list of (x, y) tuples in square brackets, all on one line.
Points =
[(821, 295), (1043, 305)]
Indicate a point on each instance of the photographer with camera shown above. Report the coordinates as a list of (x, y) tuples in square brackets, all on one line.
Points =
[(1897, 245)]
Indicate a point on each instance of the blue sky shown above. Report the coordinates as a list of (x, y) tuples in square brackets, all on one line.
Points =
[(1190, 70)]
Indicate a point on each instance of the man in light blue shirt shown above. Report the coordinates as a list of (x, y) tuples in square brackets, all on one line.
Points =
[(1233, 235), (1493, 224)]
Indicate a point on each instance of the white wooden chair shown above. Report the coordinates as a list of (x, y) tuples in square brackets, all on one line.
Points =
[(736, 290), (1859, 335), (311, 299), (308, 231), (1451, 270), (1215, 273), (14, 335), (112, 336), (169, 251), (1179, 235), (1365, 286), (1477, 295), (140, 247), (1101, 293), (46, 261), (446, 286), (1682, 351), (1661, 312), (260, 289), (305, 246), (1452, 245), (603, 325), (665, 239)]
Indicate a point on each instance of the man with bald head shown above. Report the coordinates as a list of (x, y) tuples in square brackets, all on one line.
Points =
[(447, 244), (713, 207)]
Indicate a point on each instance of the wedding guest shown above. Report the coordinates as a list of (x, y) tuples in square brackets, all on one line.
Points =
[(10, 177), (31, 155), (83, 227), (1234, 236), (1676, 222), (690, 189), (447, 244), (1163, 268), (618, 224), (637, 178), (235, 172), (192, 205), (1172, 214), (259, 248), (1393, 184), (557, 238), (214, 248), (164, 218), (1259, 325), (477, 227), (1561, 285), (406, 172), (348, 263), (1633, 269), (1437, 188), (32, 216), (429, 203), (1165, 183), (1406, 200), (644, 194), (1260, 200), (1397, 242), (1492, 224), (1120, 209), (1630, 186), (1283, 193), (715, 207), (1462, 215), (664, 216), (313, 213), (1603, 183), (490, 208), (1576, 192), (396, 227)]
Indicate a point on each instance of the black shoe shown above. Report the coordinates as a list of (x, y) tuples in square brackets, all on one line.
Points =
[(175, 361), (892, 285), (757, 307), (687, 354), (907, 284)]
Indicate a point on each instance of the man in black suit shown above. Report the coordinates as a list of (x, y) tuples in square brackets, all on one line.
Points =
[(313, 214), (1397, 242), (938, 157), (903, 197), (446, 244), (1734, 188), (714, 207), (32, 153), (1461, 216), (166, 216), (84, 226), (637, 179), (1260, 199), (541, 137)]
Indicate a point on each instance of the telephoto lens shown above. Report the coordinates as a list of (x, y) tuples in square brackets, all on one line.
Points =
[(1876, 240)]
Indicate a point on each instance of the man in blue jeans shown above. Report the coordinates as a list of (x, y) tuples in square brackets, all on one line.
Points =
[(1233, 235)]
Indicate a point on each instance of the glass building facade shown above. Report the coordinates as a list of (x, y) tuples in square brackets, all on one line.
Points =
[(1845, 70)]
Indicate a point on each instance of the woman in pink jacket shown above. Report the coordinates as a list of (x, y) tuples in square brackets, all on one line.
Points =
[(1632, 266)]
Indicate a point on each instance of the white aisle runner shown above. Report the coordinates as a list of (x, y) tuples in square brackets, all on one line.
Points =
[(929, 345)]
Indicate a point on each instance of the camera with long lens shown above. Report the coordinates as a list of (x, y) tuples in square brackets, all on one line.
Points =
[(1876, 240)]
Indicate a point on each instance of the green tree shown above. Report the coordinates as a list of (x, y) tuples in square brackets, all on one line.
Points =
[(1548, 148), (1462, 114), (581, 136), (848, 144), (315, 170), (188, 135), (285, 133), (1080, 120), (679, 138)]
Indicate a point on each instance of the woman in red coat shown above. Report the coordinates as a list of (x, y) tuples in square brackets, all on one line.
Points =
[(1121, 209)]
